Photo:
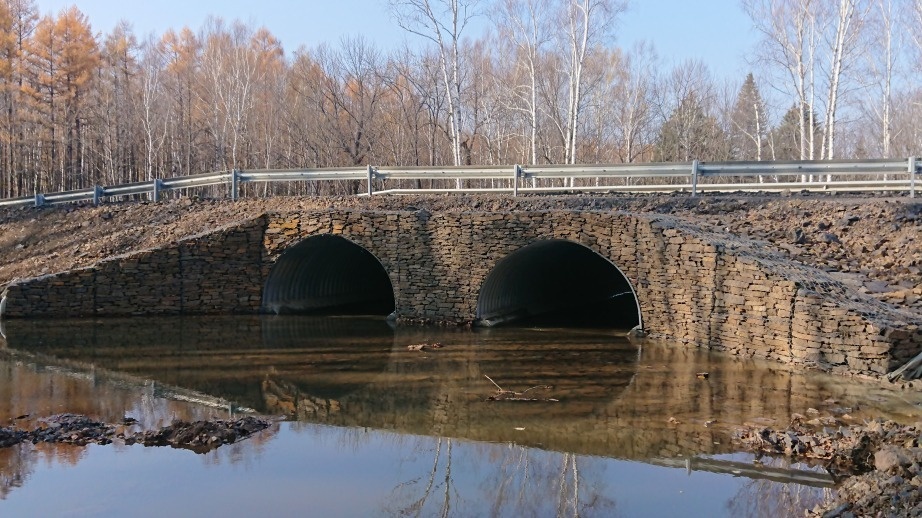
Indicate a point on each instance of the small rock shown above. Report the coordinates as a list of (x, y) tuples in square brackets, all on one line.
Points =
[(889, 458), (876, 287), (829, 237), (797, 237), (838, 511)]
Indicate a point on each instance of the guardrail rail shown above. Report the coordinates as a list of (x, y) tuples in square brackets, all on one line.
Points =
[(885, 175)]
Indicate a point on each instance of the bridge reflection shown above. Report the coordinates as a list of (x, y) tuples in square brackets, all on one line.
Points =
[(611, 399), (606, 398)]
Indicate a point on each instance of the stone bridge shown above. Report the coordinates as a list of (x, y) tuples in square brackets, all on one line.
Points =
[(673, 278)]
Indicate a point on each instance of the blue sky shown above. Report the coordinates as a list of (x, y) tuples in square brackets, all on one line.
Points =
[(716, 31)]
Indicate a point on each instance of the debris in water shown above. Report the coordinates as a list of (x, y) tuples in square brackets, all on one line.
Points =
[(502, 394), (425, 346)]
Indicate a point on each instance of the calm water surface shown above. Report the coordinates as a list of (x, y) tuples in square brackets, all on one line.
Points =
[(369, 428)]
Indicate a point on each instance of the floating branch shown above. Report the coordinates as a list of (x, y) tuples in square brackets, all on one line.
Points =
[(502, 394)]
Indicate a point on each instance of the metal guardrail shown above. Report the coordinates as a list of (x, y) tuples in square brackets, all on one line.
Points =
[(803, 477), (833, 175)]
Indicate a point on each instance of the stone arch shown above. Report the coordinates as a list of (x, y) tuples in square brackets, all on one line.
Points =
[(328, 274), (555, 278)]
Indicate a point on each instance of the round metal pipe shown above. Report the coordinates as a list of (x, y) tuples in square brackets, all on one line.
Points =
[(553, 280), (330, 275)]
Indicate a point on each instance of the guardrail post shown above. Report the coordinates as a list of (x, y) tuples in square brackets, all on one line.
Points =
[(694, 178), (235, 184), (371, 174), (39, 199), (97, 193), (912, 177), (516, 174), (155, 192)]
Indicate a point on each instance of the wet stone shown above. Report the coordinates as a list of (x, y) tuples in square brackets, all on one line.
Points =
[(202, 436)]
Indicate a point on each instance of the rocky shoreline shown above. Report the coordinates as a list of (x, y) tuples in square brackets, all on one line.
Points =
[(877, 465), (80, 430)]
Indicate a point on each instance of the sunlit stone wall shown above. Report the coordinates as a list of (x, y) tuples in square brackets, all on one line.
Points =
[(217, 272), (693, 286)]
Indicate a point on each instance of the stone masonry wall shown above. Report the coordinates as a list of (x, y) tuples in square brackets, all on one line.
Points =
[(218, 272), (693, 286)]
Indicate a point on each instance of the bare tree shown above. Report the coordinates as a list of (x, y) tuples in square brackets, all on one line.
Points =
[(231, 64), (586, 23), (880, 67), (442, 22), (151, 98), (352, 87), (849, 18), (631, 102), (530, 33), (788, 48)]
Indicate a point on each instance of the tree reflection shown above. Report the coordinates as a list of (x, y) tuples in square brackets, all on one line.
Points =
[(419, 499), (762, 498), (513, 481)]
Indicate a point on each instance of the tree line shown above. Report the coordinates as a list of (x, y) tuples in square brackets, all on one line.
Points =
[(544, 84)]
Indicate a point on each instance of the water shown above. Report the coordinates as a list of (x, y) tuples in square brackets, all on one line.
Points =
[(608, 428)]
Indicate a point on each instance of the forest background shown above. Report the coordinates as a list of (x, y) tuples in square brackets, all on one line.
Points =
[(484, 82)]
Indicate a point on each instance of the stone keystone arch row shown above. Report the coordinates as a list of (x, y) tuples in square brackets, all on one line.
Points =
[(692, 286)]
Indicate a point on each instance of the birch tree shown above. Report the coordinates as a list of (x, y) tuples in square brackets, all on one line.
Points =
[(116, 95), (151, 99), (442, 22), (526, 26), (630, 102), (586, 24), (788, 49), (880, 68), (849, 18)]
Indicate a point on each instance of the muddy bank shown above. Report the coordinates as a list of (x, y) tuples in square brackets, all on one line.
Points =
[(198, 436), (877, 465)]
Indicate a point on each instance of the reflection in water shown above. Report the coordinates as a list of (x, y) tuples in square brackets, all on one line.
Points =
[(613, 401)]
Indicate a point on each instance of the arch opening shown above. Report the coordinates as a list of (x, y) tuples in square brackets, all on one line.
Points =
[(557, 283), (328, 275)]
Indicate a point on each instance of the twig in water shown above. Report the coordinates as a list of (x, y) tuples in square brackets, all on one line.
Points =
[(511, 395)]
